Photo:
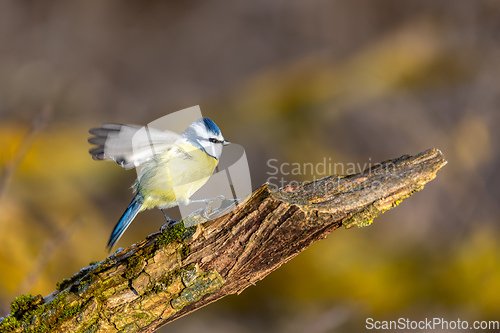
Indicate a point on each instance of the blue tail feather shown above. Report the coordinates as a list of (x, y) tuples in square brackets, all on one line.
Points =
[(127, 218)]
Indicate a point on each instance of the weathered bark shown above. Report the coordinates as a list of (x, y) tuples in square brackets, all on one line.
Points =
[(166, 276)]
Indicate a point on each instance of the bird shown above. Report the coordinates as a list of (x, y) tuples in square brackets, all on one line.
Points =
[(170, 167)]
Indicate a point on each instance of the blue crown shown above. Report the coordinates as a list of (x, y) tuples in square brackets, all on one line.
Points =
[(210, 125)]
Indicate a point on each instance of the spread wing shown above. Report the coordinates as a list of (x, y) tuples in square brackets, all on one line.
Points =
[(129, 145)]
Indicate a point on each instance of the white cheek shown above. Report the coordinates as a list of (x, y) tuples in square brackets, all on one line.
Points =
[(217, 150), (209, 148), (212, 150)]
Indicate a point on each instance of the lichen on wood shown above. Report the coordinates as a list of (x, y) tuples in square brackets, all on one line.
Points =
[(173, 273)]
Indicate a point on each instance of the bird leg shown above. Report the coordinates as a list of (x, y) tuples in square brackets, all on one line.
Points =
[(209, 212), (170, 222)]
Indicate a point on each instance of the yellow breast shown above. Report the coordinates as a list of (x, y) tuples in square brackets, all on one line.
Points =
[(173, 177)]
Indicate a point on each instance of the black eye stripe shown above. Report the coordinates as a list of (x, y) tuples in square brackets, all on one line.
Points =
[(214, 140)]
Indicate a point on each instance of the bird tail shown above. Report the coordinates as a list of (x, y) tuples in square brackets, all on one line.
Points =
[(133, 208)]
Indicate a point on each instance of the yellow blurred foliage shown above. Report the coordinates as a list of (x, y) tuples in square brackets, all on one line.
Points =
[(472, 142), (48, 201)]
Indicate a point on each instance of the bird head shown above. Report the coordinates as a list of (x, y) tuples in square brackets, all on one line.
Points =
[(205, 134)]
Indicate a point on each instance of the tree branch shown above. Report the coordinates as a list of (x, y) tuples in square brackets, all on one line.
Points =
[(166, 276)]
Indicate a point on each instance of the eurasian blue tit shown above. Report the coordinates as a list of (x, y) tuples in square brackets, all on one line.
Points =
[(171, 167)]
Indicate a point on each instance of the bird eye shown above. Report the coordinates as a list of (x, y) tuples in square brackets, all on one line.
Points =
[(213, 140)]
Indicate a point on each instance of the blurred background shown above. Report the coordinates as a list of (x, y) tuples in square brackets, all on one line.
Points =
[(297, 81)]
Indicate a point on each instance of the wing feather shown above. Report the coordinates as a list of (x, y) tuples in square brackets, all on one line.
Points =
[(129, 145)]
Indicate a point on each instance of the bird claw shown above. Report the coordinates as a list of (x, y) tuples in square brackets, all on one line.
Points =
[(169, 225), (209, 212)]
